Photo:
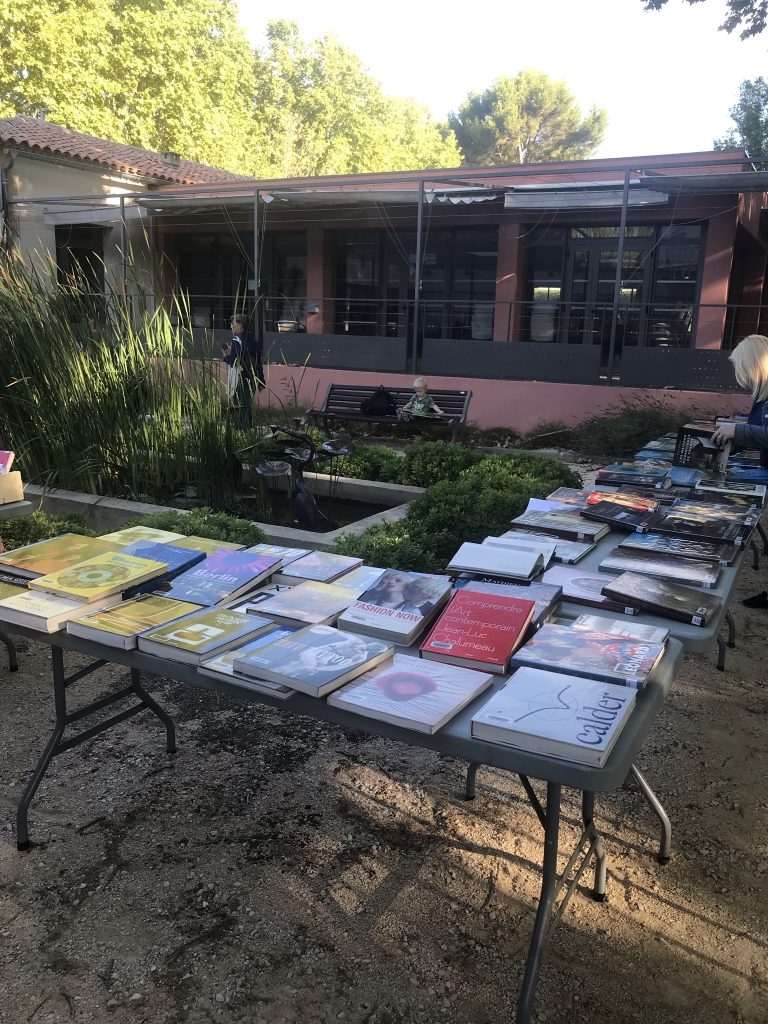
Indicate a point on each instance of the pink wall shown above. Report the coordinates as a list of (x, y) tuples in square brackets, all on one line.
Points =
[(519, 404)]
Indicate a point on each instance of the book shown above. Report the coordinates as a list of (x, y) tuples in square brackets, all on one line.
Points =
[(53, 554), (698, 527), (669, 600), (681, 476), (479, 631), (636, 502), (569, 525), (621, 627), (121, 625), (695, 448), (315, 659), (681, 547), (175, 559), (414, 694), (745, 516), (739, 487), (584, 588), (6, 461), (307, 603), (99, 577), (45, 612), (566, 551), (360, 579), (544, 596), (206, 544), (13, 579), (131, 534), (658, 468), (286, 555), (320, 566), (617, 515), (201, 634), (573, 496), (596, 655), (222, 665), (556, 715), (221, 576), (504, 558), (399, 607), (11, 589), (682, 570)]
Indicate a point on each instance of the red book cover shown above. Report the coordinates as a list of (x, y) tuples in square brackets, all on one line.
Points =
[(479, 630)]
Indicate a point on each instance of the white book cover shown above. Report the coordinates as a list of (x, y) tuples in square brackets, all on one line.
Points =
[(47, 612), (503, 560), (547, 546), (620, 627), (277, 551), (556, 715), (411, 692)]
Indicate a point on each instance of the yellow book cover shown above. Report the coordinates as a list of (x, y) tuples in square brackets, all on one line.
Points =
[(122, 538), (47, 556), (99, 577), (206, 544), (9, 590), (135, 616)]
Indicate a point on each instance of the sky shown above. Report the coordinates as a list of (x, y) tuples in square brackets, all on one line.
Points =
[(667, 79)]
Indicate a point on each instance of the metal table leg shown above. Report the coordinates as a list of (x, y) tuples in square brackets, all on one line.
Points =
[(665, 846), (731, 630), (755, 554), (763, 537), (469, 790), (13, 663)]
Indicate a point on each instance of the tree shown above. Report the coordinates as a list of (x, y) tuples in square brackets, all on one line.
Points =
[(525, 119), (750, 116), (752, 14), (169, 75), (317, 111)]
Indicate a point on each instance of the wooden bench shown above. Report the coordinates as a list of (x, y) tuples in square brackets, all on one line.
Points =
[(342, 404)]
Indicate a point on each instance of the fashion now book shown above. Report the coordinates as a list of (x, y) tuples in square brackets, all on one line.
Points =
[(415, 694), (478, 630), (556, 715), (399, 605)]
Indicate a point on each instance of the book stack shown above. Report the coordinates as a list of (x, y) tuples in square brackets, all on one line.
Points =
[(175, 559), (47, 612), (668, 600), (740, 488), (399, 607), (508, 558), (222, 666), (617, 515), (651, 474), (687, 571), (567, 552), (97, 578), (121, 625), (567, 524), (202, 634)]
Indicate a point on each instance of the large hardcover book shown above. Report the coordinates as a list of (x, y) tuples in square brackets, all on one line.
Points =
[(206, 544), (567, 552), (681, 476), (414, 694), (517, 561), (621, 627), (569, 525), (741, 488), (616, 515), (6, 461), (222, 665), (308, 603), (744, 515), (479, 630), (687, 571), (46, 612), (636, 502), (201, 634), (99, 577), (286, 555), (698, 527), (222, 576), (11, 589), (584, 588), (637, 476), (556, 715), (398, 607), (616, 659), (176, 560), (573, 496), (56, 553), (669, 600), (680, 547), (120, 626), (132, 534), (360, 579), (544, 596), (13, 579), (315, 659), (319, 566)]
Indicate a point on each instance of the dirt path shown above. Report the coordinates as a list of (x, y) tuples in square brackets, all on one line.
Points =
[(281, 870)]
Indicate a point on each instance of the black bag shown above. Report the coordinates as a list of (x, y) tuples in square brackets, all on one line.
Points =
[(380, 403)]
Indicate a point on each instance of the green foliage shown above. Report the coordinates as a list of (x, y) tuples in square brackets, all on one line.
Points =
[(750, 116), (390, 546), (428, 462), (752, 14), (204, 522), (371, 462), (501, 471), (621, 433), (37, 526), (530, 118)]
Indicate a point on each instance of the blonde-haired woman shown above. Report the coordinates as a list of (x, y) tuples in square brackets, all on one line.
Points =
[(750, 364)]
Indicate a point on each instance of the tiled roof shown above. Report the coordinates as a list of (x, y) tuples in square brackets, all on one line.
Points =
[(46, 137)]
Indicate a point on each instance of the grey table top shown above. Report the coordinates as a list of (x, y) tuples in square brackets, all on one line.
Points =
[(15, 508)]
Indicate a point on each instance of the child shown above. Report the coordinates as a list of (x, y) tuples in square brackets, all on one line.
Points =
[(422, 404)]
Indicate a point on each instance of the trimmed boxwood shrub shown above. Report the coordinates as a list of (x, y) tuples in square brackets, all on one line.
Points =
[(371, 462), (429, 462), (391, 546), (204, 522), (38, 526)]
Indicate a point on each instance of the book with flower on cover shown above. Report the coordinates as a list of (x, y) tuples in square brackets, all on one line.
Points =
[(319, 566), (669, 600), (399, 606), (556, 715), (615, 659), (479, 631), (56, 553), (99, 577), (411, 693), (201, 634), (221, 576), (120, 626)]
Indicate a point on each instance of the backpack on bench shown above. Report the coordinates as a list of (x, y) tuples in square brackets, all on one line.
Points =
[(380, 403)]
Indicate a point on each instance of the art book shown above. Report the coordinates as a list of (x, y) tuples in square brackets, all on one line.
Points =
[(680, 547), (315, 659), (308, 603), (56, 553), (319, 566), (681, 570), (615, 659), (360, 579), (545, 597), (635, 502), (698, 527), (6, 461), (568, 524), (584, 588), (13, 579), (222, 576), (286, 555), (45, 612), (621, 627), (572, 496), (504, 558), (206, 544), (738, 487), (11, 589), (669, 600), (414, 694), (222, 665), (556, 715), (567, 552), (201, 634), (398, 607), (99, 577), (618, 516), (479, 630), (131, 534), (176, 560), (120, 626), (745, 516)]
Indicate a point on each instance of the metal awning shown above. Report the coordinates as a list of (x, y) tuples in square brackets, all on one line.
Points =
[(573, 199), (707, 184)]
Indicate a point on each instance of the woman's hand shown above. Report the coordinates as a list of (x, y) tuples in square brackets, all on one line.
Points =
[(724, 433)]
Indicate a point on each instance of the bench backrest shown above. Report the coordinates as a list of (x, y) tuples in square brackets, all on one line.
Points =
[(346, 398)]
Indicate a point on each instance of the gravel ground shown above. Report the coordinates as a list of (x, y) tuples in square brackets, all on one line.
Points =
[(282, 870)]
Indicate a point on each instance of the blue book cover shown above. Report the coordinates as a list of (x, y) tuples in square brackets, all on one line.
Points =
[(683, 476), (222, 576), (177, 559)]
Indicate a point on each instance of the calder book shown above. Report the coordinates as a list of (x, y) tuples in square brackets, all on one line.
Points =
[(411, 693), (669, 600), (556, 715), (479, 630)]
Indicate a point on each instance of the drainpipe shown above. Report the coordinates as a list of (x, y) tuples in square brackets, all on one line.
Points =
[(5, 206)]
